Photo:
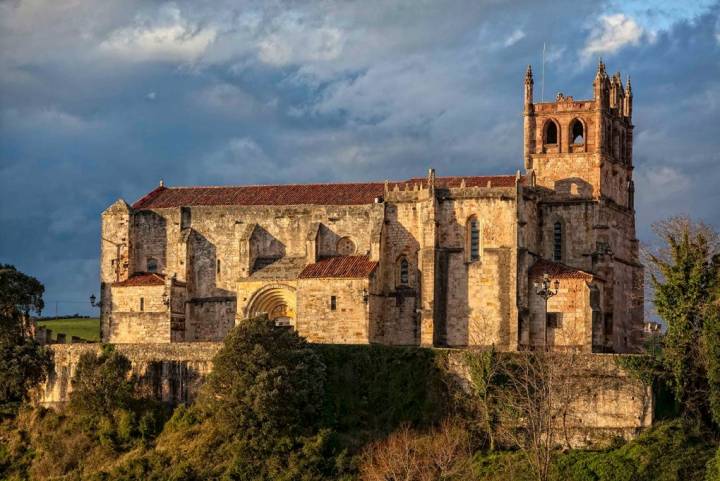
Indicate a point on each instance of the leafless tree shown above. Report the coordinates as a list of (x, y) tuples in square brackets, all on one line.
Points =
[(536, 405), (407, 455)]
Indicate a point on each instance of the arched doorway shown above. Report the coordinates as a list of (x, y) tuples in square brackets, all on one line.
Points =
[(277, 302)]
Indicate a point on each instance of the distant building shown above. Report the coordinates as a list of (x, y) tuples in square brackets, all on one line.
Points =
[(652, 327), (436, 261)]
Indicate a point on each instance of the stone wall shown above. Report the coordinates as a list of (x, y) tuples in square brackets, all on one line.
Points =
[(138, 314), (347, 323), (573, 313), (606, 401), (481, 294), (172, 372)]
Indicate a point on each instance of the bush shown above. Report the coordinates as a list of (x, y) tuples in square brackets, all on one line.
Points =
[(371, 390), (442, 454), (101, 383), (671, 451), (23, 364), (713, 468)]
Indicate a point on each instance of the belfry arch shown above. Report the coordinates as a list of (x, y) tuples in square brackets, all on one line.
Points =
[(277, 301)]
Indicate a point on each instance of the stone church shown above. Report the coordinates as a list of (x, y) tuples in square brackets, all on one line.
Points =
[(432, 261)]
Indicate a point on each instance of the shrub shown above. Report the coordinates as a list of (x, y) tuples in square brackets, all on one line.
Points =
[(101, 383), (442, 454)]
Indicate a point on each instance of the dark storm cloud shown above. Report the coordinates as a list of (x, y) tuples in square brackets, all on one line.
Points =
[(100, 100)]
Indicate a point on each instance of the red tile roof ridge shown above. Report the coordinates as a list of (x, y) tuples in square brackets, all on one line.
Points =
[(142, 279), (150, 195), (319, 184), (558, 269), (330, 193), (348, 267)]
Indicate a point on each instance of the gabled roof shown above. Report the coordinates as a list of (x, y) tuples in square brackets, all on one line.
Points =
[(558, 270), (300, 194), (142, 279), (351, 267)]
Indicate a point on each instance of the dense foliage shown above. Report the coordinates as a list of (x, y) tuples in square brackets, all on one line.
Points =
[(23, 362), (685, 276)]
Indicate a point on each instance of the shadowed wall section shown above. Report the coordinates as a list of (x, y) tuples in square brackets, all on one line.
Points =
[(606, 401)]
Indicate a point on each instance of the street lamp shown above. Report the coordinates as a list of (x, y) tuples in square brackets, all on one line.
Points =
[(543, 289), (93, 300)]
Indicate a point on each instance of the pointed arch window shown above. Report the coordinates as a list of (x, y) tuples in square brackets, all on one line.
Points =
[(557, 241), (473, 235), (404, 271), (152, 265), (577, 133), (551, 132)]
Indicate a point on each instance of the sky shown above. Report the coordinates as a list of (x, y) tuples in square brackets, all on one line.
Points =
[(101, 99)]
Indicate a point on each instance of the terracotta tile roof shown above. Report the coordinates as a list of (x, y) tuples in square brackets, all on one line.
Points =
[(311, 194), (142, 279), (558, 270), (354, 267)]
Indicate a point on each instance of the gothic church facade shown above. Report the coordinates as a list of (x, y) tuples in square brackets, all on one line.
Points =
[(434, 261)]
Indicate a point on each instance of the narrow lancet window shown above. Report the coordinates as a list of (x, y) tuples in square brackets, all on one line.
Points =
[(557, 241), (404, 272), (152, 265), (474, 233)]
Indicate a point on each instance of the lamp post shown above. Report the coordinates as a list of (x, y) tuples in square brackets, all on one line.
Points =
[(93, 301), (543, 289)]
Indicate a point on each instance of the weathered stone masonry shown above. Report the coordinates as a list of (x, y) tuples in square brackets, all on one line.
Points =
[(434, 261), (607, 403)]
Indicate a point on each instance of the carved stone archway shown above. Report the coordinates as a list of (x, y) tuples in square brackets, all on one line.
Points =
[(277, 301)]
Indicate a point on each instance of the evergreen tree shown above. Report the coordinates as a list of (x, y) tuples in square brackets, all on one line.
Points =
[(265, 397), (23, 362), (684, 276)]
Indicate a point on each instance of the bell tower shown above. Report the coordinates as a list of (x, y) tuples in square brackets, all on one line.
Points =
[(579, 153), (582, 148)]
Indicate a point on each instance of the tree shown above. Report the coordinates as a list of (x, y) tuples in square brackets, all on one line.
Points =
[(406, 455), (711, 358), (265, 396), (486, 372), (535, 403), (101, 384), (20, 295), (685, 275), (23, 362)]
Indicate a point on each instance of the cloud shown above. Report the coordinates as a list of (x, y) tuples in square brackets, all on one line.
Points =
[(612, 34), (296, 41), (308, 91), (42, 119), (240, 159), (514, 38), (228, 99), (169, 37)]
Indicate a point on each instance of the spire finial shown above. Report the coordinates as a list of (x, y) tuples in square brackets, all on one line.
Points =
[(601, 68), (528, 73), (628, 88), (162, 184)]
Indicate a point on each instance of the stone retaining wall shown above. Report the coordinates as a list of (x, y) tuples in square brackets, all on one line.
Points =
[(607, 402), (173, 372)]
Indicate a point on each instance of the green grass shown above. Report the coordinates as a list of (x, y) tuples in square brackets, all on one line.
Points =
[(88, 329)]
